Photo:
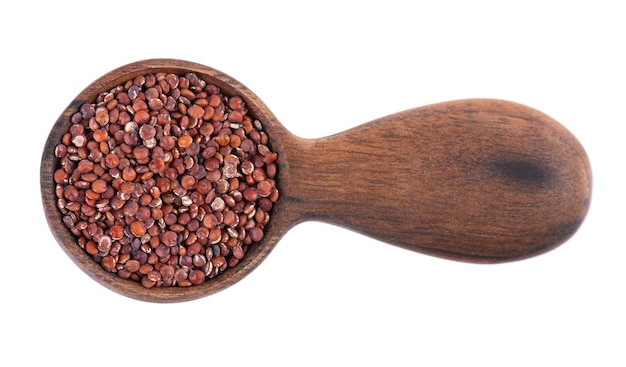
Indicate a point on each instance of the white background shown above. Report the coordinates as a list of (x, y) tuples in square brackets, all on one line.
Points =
[(326, 296)]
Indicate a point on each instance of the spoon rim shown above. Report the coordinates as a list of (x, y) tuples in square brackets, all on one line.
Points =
[(276, 228)]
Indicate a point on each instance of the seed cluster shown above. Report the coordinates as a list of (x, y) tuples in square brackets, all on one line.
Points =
[(165, 180)]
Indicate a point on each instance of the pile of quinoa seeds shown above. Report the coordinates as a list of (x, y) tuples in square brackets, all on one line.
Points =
[(165, 180)]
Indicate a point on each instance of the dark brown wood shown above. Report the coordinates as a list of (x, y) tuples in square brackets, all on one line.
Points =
[(473, 180)]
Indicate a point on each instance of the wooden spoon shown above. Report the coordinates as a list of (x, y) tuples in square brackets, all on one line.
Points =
[(474, 180)]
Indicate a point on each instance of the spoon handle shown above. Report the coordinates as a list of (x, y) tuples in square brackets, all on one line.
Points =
[(473, 180)]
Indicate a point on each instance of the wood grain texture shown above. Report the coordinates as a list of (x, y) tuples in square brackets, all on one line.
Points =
[(474, 180)]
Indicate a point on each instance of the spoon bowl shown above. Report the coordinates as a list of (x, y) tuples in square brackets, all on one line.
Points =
[(476, 180)]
